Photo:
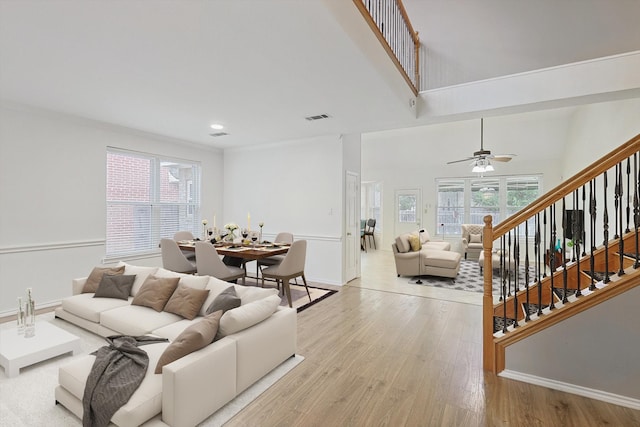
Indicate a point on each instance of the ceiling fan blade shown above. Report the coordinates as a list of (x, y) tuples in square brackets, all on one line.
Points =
[(503, 157), (461, 160)]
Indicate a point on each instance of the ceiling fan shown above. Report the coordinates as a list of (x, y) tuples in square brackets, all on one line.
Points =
[(481, 159)]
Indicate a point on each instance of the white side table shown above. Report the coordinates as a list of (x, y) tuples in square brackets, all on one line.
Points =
[(16, 351)]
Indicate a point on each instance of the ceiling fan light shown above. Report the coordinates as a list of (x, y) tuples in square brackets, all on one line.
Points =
[(488, 167), (478, 168)]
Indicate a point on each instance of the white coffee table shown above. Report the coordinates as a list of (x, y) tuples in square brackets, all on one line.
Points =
[(16, 351)]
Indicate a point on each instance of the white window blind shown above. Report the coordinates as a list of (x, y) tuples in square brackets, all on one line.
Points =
[(148, 198)]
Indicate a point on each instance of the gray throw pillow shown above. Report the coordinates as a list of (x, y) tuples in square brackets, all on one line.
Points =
[(96, 275), (225, 301), (115, 286)]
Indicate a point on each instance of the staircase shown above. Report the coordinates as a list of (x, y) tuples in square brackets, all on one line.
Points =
[(573, 248)]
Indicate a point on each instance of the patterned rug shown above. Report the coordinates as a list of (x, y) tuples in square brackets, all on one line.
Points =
[(299, 298), (468, 279)]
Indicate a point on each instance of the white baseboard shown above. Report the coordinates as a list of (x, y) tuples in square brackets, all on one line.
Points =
[(604, 396)]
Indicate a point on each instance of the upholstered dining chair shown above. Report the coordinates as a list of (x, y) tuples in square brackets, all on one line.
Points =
[(173, 259), (185, 235), (291, 266), (369, 231), (282, 237), (208, 263)]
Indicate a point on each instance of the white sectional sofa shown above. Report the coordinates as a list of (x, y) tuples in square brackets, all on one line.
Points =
[(252, 340)]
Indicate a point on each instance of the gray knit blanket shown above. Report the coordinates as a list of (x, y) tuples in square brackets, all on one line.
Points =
[(116, 374)]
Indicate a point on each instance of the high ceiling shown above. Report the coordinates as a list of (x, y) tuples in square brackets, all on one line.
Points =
[(260, 67)]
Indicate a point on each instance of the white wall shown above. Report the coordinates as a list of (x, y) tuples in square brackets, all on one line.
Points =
[(293, 186), (52, 196)]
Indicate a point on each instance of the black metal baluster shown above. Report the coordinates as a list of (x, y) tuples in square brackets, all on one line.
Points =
[(544, 241), (584, 229), (605, 220), (539, 265), (516, 280), (552, 253), (507, 262), (592, 232), (627, 230), (526, 270), (616, 195), (563, 252), (621, 241), (636, 208), (579, 232), (504, 286)]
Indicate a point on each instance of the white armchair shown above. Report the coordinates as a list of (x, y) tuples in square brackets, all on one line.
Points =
[(472, 240)]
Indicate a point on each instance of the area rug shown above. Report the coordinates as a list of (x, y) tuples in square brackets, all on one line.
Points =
[(28, 399), (468, 279), (299, 298)]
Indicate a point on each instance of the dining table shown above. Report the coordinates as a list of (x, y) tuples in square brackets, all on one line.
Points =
[(246, 252)]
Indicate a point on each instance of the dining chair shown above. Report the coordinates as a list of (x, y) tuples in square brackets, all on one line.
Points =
[(282, 237), (173, 259), (292, 266), (185, 235), (208, 263), (369, 231), (363, 243)]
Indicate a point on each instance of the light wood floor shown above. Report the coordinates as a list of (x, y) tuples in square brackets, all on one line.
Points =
[(378, 355)]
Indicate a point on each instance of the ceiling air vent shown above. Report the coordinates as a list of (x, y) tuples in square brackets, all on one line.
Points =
[(318, 117), (218, 134)]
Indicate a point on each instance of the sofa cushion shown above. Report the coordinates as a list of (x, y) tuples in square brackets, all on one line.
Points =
[(402, 242), (225, 301), (186, 301), (251, 293), (442, 259), (247, 315), (475, 238), (414, 243), (115, 286), (89, 308), (155, 292), (96, 275), (136, 320), (141, 275), (196, 282), (144, 404), (437, 245), (172, 330), (195, 337)]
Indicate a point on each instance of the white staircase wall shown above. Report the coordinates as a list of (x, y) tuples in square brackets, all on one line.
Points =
[(595, 351)]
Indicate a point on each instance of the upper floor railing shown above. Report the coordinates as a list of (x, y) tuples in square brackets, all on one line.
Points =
[(390, 22)]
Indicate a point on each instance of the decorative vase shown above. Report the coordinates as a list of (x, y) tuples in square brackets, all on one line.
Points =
[(21, 318), (30, 316)]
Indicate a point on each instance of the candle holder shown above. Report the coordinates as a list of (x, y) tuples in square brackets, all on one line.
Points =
[(30, 316)]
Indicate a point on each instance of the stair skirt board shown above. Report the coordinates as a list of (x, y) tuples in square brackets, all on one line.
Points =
[(603, 396)]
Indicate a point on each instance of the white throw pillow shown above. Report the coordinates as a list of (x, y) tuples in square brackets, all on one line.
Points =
[(189, 280), (141, 275), (247, 315)]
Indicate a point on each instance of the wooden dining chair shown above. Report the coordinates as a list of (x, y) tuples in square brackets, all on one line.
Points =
[(370, 231), (173, 259), (292, 266), (208, 263)]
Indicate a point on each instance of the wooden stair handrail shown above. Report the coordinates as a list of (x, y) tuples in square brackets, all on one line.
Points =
[(595, 169)]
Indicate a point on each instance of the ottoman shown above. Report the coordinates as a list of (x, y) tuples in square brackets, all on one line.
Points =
[(440, 263), (495, 261)]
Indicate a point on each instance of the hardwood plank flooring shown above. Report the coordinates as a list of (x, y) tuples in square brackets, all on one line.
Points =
[(378, 354)]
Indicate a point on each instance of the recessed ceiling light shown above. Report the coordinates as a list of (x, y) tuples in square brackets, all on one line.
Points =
[(217, 126)]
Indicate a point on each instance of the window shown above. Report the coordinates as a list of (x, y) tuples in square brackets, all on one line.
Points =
[(149, 198), (469, 200), (371, 202)]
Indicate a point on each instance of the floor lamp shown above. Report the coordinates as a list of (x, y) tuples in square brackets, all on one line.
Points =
[(419, 282)]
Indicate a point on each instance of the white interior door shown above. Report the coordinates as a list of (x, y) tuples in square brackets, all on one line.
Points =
[(352, 226), (408, 212)]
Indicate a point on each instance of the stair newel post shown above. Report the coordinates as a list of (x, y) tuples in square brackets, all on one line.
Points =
[(636, 209), (627, 230), (516, 279), (605, 220), (488, 323), (552, 251), (621, 241), (538, 265), (526, 268), (592, 233), (563, 251)]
